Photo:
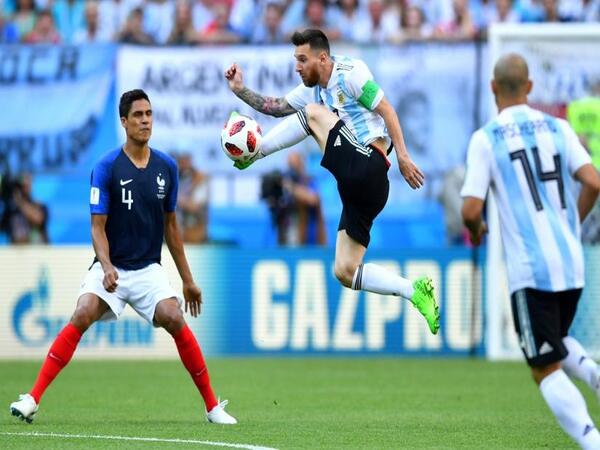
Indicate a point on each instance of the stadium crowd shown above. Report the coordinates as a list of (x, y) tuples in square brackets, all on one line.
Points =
[(201, 22)]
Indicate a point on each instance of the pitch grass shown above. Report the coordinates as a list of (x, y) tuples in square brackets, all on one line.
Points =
[(291, 403)]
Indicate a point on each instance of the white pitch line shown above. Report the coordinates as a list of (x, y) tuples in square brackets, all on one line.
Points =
[(133, 438)]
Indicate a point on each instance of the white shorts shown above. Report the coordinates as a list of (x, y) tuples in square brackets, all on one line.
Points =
[(141, 289)]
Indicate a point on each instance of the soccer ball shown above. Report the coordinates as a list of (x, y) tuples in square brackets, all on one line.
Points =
[(241, 137)]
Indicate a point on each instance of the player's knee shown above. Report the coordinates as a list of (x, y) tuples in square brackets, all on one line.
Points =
[(344, 272), (82, 318), (540, 372), (314, 111), (170, 319)]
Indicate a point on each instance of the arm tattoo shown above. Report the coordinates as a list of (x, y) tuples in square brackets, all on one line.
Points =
[(272, 106)]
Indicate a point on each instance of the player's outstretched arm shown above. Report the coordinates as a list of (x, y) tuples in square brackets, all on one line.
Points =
[(100, 242), (272, 106), (191, 292), (411, 173)]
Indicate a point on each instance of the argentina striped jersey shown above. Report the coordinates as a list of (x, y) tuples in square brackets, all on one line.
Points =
[(352, 94), (528, 159)]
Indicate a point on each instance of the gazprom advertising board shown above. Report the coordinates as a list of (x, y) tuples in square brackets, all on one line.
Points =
[(278, 302)]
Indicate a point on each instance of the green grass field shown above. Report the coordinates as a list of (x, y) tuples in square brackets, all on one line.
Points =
[(289, 403)]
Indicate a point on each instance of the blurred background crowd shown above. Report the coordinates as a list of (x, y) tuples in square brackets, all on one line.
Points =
[(201, 22), (436, 81)]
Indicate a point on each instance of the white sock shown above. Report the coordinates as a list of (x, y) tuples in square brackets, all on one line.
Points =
[(578, 364), (288, 132), (569, 408), (373, 278)]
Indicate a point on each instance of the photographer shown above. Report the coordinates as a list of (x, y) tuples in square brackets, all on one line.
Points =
[(294, 204), (23, 219)]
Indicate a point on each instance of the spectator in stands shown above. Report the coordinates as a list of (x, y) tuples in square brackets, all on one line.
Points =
[(220, 30), (159, 16), (294, 204), (192, 201), (460, 27), (202, 13), (590, 11), (270, 30), (412, 27), (245, 16), (69, 16), (23, 219), (530, 10), (113, 15), (503, 13), (133, 32), (44, 31), (308, 225), (183, 31), (91, 33), (348, 17), (316, 17), (379, 27), (24, 17), (551, 13), (8, 31), (435, 11)]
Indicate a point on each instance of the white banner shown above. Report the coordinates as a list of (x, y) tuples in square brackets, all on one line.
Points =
[(190, 97)]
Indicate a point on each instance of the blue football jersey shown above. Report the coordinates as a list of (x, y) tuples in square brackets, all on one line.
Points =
[(135, 201)]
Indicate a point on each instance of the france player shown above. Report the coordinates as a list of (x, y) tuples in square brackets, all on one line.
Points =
[(132, 202), (344, 109), (530, 161)]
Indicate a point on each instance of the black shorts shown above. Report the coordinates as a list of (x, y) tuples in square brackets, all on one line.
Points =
[(361, 175), (542, 319)]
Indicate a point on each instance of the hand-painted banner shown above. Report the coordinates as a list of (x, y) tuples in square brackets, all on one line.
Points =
[(56, 104), (191, 99)]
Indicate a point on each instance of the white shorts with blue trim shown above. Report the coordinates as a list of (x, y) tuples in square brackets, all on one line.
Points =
[(141, 289)]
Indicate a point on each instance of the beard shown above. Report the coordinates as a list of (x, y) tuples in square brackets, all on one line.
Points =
[(310, 81)]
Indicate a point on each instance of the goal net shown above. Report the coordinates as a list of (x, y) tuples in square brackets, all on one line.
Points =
[(564, 62)]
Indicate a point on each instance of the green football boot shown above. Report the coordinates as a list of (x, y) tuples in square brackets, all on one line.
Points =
[(424, 301)]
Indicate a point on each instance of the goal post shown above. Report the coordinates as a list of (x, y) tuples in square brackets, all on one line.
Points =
[(564, 60)]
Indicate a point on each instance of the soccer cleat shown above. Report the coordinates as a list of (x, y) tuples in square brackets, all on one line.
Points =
[(424, 301), (218, 415), (25, 408), (241, 165)]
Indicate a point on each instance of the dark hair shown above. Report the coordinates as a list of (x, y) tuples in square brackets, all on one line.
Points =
[(127, 100), (315, 39)]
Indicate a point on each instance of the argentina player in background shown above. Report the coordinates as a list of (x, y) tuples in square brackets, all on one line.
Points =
[(132, 202), (530, 161), (347, 113)]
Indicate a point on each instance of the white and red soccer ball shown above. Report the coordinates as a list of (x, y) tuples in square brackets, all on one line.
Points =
[(241, 137)]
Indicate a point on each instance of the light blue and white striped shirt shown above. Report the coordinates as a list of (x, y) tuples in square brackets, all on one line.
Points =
[(352, 93), (529, 158)]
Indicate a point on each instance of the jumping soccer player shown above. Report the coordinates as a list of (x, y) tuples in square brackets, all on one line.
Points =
[(530, 161), (342, 107), (132, 201)]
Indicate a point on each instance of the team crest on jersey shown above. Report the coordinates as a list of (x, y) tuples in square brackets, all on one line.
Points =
[(341, 96), (161, 186)]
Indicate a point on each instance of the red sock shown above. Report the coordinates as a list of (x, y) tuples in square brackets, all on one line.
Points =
[(191, 356), (59, 355)]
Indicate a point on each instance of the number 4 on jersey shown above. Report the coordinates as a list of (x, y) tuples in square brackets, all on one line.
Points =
[(553, 175), (127, 200)]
